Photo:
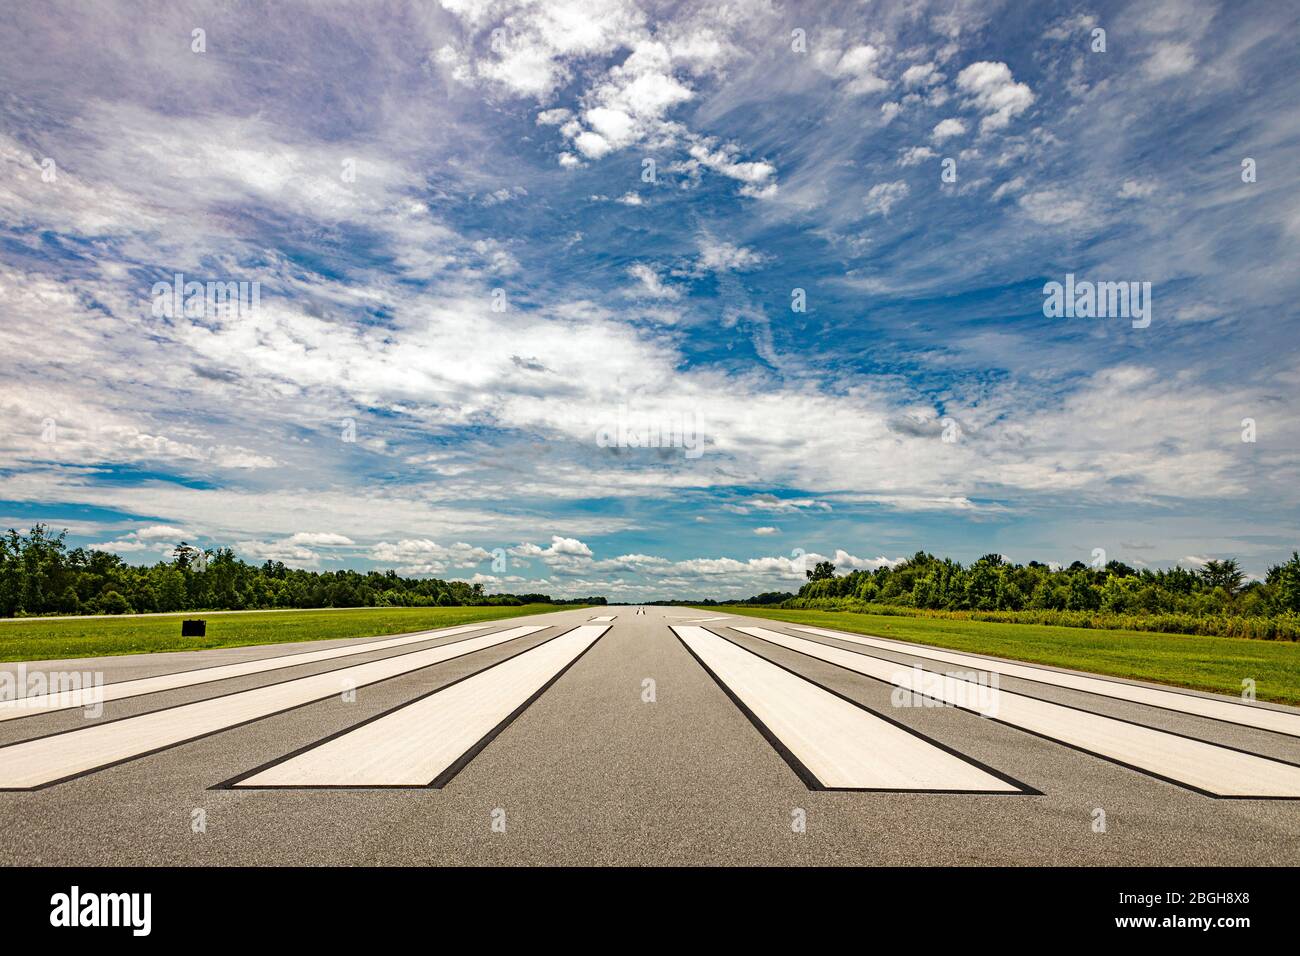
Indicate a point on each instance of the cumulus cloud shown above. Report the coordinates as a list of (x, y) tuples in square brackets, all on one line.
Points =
[(717, 255), (651, 283), (477, 424), (857, 67), (921, 75), (915, 155), (947, 129), (1053, 207), (1168, 60), (759, 178), (883, 197), (992, 90), (428, 555)]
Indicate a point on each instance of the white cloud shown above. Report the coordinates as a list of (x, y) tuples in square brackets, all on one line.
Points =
[(651, 284), (767, 529), (428, 555), (1078, 26), (1168, 60), (121, 546), (947, 129), (882, 197), (1014, 185), (160, 532), (717, 255), (759, 177), (294, 555), (857, 66), (915, 155), (158, 537), (995, 93), (592, 145), (554, 117), (1135, 189), (921, 75), (1052, 207), (843, 560), (320, 539), (562, 553)]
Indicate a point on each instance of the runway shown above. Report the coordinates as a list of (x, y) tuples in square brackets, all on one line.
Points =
[(631, 736)]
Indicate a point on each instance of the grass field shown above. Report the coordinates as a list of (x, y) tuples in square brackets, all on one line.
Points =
[(34, 639), (1216, 664)]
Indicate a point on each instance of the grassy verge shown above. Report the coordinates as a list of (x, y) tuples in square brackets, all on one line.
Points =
[(1276, 627), (1216, 664), (31, 639)]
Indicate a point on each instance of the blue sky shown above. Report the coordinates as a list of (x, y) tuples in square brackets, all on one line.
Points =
[(492, 238)]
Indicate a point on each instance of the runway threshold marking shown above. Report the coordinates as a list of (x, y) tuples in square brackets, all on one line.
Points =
[(1233, 712), (64, 700), (1211, 769), (426, 742), (832, 742), (607, 617), (43, 761)]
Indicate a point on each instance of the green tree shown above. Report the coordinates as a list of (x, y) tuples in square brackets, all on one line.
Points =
[(112, 602), (171, 588), (1223, 574), (1284, 579), (822, 571)]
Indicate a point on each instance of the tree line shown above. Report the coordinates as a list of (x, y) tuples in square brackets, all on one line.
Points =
[(40, 574), (1215, 598), (994, 584)]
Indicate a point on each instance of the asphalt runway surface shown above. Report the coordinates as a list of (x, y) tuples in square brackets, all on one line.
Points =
[(626, 736)]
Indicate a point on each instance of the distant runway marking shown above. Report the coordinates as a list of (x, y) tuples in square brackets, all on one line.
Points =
[(1228, 711), (1212, 769), (832, 742), (706, 620), (607, 617), (32, 764), (428, 741), (49, 703)]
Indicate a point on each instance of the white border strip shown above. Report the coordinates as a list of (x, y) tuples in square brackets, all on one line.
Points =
[(1209, 768), (842, 744), (90, 696), (415, 744), (1231, 711), (45, 760)]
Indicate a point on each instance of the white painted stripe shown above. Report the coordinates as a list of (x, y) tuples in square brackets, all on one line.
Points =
[(33, 763), (607, 617), (1204, 766), (415, 744), (85, 697), (1232, 711), (841, 744)]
